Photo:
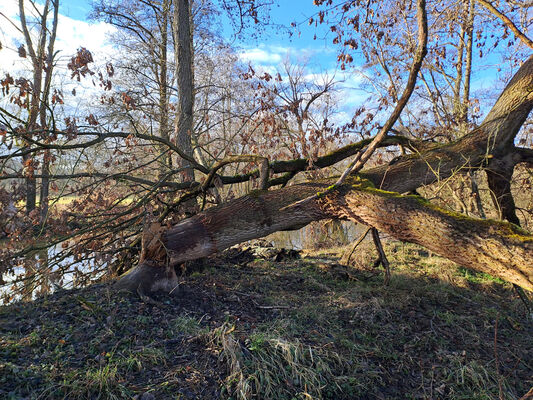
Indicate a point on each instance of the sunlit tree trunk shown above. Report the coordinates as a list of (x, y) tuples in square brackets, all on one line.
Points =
[(33, 111), (185, 79), (42, 58), (45, 181), (163, 20), (468, 65)]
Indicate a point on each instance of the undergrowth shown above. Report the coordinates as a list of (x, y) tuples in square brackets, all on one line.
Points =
[(248, 327)]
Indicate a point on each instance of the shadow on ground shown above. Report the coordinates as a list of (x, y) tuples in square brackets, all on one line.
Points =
[(256, 326)]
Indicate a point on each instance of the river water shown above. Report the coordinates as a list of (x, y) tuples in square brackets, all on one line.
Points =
[(67, 273)]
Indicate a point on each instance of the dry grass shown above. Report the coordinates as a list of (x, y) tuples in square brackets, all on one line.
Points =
[(297, 329)]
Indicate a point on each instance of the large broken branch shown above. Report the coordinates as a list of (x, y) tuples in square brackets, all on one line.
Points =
[(498, 248), (495, 247)]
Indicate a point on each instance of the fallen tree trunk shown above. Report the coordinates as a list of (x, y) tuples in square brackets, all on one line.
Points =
[(498, 248), (495, 247)]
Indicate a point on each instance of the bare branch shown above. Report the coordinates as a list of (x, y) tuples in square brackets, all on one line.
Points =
[(507, 22)]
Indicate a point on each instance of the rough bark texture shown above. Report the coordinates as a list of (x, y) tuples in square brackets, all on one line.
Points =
[(499, 178), (255, 215), (492, 139), (183, 43), (498, 248), (495, 247), (163, 83)]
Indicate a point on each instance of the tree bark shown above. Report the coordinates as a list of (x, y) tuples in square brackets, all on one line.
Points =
[(499, 177), (492, 139), (37, 60), (45, 181), (42, 60), (498, 248), (507, 22), (184, 60), (162, 78)]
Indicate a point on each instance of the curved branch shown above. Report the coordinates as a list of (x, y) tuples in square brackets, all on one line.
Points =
[(236, 159), (302, 164), (420, 53), (100, 138), (117, 176), (507, 22)]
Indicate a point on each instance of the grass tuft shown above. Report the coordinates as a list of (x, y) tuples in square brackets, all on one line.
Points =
[(306, 328)]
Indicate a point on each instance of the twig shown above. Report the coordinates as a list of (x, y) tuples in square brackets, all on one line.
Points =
[(346, 260), (507, 22), (147, 299), (264, 170), (273, 307), (528, 395), (500, 388)]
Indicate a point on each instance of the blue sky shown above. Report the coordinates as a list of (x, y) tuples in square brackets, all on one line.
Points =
[(283, 14), (75, 9), (267, 51), (276, 44)]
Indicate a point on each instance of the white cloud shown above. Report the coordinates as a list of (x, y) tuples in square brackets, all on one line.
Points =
[(353, 95), (71, 35), (261, 56), (274, 55), (349, 92)]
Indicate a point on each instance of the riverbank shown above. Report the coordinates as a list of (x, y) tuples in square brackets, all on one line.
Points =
[(276, 326)]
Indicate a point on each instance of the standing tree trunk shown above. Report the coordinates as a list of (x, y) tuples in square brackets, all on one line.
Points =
[(37, 60), (468, 67), (163, 87), (183, 53), (45, 180), (42, 59)]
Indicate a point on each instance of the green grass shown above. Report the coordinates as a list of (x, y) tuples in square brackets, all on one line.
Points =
[(299, 329)]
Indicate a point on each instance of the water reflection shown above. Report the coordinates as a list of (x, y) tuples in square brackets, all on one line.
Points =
[(46, 271), (317, 235)]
